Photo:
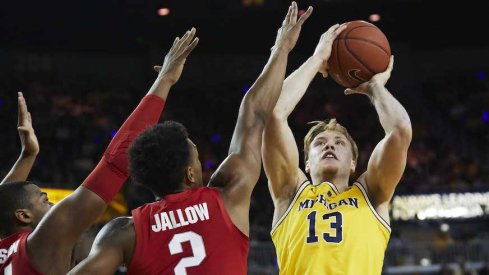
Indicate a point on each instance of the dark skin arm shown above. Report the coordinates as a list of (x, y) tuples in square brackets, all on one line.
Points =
[(78, 211), (238, 174), (30, 146), (113, 246)]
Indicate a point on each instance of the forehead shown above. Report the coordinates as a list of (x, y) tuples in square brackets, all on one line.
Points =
[(330, 134), (192, 145), (33, 189)]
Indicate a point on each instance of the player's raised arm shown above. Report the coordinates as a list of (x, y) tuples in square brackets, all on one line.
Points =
[(239, 173), (388, 160), (56, 234), (280, 152), (30, 146)]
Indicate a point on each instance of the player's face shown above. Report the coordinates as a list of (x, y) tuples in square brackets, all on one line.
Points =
[(40, 203), (195, 164), (330, 153)]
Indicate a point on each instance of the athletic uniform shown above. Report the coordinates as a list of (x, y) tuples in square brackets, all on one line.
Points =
[(188, 233), (327, 232), (14, 259)]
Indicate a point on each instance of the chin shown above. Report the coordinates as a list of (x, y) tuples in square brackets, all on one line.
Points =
[(329, 169)]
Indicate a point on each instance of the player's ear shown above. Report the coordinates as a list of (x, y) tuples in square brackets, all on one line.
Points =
[(307, 168), (24, 216), (353, 165), (190, 177)]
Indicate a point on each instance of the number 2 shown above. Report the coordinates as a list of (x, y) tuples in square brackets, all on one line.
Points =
[(337, 225), (198, 249)]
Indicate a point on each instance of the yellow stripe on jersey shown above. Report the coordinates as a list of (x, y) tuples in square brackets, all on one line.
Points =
[(327, 232)]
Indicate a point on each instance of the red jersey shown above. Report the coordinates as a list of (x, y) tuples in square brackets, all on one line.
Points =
[(188, 233), (14, 259)]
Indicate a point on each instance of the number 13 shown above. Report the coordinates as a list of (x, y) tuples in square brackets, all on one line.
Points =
[(337, 224)]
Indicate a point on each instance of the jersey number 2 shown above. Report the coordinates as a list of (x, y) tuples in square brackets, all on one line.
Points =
[(337, 225), (197, 245)]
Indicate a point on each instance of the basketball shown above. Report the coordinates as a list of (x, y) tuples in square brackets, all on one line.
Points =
[(358, 53)]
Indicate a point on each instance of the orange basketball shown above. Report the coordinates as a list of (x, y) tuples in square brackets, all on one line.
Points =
[(359, 52)]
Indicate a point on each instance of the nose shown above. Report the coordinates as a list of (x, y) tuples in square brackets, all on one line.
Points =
[(328, 146)]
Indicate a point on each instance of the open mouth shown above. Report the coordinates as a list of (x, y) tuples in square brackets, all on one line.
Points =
[(329, 155)]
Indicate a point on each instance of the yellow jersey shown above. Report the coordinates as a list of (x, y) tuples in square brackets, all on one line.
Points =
[(327, 232)]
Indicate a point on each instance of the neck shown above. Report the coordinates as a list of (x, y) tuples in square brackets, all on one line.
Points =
[(339, 181), (12, 230)]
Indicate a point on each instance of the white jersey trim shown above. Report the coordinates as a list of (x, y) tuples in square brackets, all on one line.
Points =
[(297, 194), (364, 193)]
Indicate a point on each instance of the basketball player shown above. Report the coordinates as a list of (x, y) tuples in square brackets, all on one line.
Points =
[(324, 225), (38, 238), (195, 229), (28, 140)]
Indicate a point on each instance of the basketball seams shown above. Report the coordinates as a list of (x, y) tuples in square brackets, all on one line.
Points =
[(358, 59), (366, 41), (357, 38)]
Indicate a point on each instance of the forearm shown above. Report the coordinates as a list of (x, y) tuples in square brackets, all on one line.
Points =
[(392, 115), (114, 163), (21, 169), (295, 86), (161, 87), (264, 93)]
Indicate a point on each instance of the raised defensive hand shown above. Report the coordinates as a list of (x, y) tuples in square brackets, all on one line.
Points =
[(176, 57), (28, 139), (291, 27)]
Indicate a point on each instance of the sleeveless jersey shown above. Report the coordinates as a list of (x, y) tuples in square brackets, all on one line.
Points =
[(188, 233), (14, 259), (327, 232)]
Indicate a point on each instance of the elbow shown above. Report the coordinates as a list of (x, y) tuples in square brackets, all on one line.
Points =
[(404, 132)]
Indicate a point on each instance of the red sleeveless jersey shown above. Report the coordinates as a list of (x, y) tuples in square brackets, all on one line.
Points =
[(14, 259), (188, 233)]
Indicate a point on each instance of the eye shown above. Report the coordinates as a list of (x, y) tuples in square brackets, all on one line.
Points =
[(340, 142), (319, 143)]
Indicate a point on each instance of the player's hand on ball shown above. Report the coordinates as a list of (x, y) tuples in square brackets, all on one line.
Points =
[(291, 27), (378, 80), (176, 57), (323, 49)]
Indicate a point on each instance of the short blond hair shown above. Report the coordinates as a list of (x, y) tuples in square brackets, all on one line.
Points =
[(331, 125)]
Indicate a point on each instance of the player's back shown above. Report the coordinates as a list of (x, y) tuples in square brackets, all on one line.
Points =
[(14, 259), (188, 233)]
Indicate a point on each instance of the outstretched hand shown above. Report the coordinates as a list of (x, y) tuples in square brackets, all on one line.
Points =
[(323, 49), (291, 27), (28, 139), (172, 67), (379, 79)]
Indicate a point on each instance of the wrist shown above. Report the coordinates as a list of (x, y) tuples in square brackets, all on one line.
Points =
[(164, 79), (376, 88), (280, 49), (316, 61), (25, 155)]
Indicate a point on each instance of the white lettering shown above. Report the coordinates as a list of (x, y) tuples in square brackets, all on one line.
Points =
[(181, 218), (165, 222), (202, 211), (157, 226), (3, 255), (173, 220), (191, 215)]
